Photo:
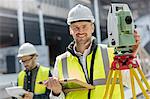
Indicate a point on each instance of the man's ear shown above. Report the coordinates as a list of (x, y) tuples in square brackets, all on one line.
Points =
[(70, 31), (93, 27)]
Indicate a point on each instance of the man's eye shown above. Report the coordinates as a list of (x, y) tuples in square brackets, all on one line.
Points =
[(76, 28)]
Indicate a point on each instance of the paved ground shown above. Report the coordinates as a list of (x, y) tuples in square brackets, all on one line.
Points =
[(6, 81)]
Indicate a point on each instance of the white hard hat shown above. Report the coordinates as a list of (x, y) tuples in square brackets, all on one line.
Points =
[(80, 12), (26, 49)]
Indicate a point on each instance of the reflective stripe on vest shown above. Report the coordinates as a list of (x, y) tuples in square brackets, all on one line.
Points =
[(105, 61), (64, 65), (105, 58), (43, 74)]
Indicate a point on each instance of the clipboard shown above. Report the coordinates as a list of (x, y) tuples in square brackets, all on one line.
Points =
[(16, 91), (72, 84)]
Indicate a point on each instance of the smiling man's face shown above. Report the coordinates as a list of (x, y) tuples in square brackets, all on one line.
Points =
[(81, 31)]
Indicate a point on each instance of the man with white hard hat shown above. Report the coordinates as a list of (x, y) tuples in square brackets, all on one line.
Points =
[(84, 59), (33, 74)]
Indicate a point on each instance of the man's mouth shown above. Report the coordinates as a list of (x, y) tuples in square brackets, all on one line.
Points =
[(81, 35)]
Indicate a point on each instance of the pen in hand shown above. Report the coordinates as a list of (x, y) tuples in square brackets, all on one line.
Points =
[(42, 82), (53, 84)]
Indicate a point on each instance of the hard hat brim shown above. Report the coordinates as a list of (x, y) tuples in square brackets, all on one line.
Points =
[(83, 19), (22, 55)]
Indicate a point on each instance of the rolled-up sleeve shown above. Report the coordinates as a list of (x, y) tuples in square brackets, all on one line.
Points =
[(55, 74), (61, 96)]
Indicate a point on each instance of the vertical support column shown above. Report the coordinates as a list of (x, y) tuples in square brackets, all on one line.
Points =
[(41, 24), (20, 23), (97, 21)]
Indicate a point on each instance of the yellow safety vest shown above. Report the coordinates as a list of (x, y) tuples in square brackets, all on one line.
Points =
[(69, 67), (43, 74)]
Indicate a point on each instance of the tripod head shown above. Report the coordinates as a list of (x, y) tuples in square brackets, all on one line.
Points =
[(120, 28)]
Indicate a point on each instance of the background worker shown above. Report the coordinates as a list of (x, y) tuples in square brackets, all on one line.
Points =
[(84, 59), (33, 73)]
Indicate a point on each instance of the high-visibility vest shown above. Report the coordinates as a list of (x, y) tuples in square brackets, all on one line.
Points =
[(69, 67), (42, 75)]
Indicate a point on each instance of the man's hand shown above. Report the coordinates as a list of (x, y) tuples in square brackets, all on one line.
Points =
[(28, 95), (53, 84), (137, 43)]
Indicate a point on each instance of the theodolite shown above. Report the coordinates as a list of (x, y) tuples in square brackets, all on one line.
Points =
[(120, 27), (121, 37)]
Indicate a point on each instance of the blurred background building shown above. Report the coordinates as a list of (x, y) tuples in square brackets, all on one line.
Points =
[(43, 23)]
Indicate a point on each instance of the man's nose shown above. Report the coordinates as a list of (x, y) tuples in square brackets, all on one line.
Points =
[(80, 30), (25, 63)]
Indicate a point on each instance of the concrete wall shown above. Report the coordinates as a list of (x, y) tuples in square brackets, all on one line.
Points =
[(31, 6), (42, 59)]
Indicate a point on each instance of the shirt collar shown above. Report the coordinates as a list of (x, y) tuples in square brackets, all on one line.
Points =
[(86, 52)]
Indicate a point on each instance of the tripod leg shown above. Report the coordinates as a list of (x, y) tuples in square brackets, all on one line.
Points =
[(113, 84), (108, 83), (144, 79), (121, 85), (132, 84), (140, 83)]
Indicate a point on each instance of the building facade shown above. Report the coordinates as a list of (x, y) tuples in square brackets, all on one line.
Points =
[(40, 22)]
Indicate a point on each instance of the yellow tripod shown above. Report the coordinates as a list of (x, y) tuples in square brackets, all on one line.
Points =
[(122, 63)]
